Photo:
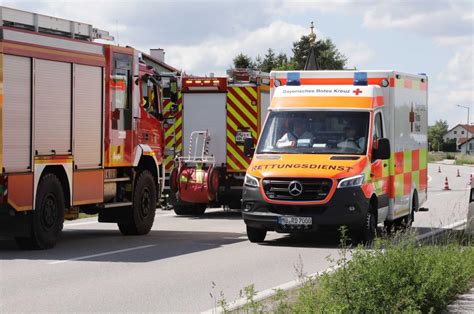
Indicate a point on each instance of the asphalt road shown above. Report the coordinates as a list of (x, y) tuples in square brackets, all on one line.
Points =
[(175, 267)]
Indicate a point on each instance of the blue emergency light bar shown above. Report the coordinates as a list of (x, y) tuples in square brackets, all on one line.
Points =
[(360, 78), (293, 79)]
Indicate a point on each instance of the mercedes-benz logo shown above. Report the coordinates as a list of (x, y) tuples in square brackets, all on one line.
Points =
[(295, 188)]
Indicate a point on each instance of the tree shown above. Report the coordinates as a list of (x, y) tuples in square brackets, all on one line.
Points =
[(258, 62), (281, 61), (269, 61), (328, 56), (242, 61), (436, 133)]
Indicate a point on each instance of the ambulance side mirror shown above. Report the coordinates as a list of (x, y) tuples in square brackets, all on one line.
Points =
[(383, 149), (248, 147)]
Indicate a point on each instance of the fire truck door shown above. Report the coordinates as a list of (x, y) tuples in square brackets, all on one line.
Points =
[(121, 93)]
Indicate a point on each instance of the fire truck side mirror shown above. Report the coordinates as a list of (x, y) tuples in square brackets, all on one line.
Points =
[(248, 147), (383, 149)]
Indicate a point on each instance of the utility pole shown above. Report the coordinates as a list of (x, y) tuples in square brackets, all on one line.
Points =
[(468, 126)]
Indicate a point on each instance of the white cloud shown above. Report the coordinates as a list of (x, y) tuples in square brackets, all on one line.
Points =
[(454, 87), (215, 55), (359, 53)]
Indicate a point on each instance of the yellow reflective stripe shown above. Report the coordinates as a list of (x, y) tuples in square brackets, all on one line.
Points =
[(169, 132), (238, 157), (252, 91), (244, 110), (231, 163)]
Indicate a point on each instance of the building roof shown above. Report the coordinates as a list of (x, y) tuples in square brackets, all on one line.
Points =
[(468, 128), (160, 63)]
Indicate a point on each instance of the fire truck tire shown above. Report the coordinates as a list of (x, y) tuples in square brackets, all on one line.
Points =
[(199, 209), (190, 210), (174, 180), (213, 180), (48, 216), (256, 235), (369, 228), (142, 213)]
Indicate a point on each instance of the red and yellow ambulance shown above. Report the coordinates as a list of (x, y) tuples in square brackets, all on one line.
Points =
[(338, 148)]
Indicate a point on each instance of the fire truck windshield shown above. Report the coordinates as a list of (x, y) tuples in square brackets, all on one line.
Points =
[(315, 132)]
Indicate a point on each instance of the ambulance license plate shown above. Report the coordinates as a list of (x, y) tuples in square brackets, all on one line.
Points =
[(295, 221), (240, 136)]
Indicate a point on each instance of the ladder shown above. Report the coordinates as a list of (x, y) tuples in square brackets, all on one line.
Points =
[(198, 151), (50, 25)]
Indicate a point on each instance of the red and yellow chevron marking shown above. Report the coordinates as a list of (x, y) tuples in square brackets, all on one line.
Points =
[(173, 133), (242, 115)]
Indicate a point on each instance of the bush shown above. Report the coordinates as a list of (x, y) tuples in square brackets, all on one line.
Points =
[(396, 276)]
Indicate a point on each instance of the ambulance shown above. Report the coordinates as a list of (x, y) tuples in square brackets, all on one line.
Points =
[(338, 148)]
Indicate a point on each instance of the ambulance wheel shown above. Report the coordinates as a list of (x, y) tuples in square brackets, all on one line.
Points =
[(48, 216), (369, 228), (256, 235), (142, 213)]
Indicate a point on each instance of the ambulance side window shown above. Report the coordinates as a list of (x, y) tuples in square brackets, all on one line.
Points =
[(378, 127)]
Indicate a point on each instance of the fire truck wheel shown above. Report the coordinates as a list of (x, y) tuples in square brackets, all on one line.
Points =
[(181, 210), (174, 180), (213, 180), (199, 209), (256, 235), (369, 228), (142, 213), (48, 216)]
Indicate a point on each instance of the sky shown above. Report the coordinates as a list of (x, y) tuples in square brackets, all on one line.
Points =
[(435, 37)]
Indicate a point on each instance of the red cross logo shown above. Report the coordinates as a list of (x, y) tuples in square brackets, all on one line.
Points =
[(357, 92)]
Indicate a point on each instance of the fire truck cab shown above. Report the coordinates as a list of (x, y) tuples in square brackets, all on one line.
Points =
[(338, 148)]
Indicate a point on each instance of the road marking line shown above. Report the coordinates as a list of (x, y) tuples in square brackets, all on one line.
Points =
[(80, 223), (101, 254), (441, 229)]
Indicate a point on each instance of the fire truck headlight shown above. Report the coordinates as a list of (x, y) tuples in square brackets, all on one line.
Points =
[(251, 181), (351, 181)]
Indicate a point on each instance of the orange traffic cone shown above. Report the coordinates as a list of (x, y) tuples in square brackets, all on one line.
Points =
[(458, 175), (439, 169), (446, 185)]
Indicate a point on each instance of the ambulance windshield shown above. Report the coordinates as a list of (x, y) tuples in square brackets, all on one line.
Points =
[(315, 132)]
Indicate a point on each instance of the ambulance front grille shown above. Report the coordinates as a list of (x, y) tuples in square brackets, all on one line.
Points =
[(312, 189)]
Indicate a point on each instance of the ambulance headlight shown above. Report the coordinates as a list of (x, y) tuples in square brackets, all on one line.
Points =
[(251, 181), (351, 182)]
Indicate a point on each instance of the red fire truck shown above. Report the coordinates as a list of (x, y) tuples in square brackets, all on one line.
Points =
[(81, 130), (213, 118)]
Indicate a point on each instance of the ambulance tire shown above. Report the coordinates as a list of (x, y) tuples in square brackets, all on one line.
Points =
[(48, 216), (256, 235), (190, 210), (142, 213), (369, 229)]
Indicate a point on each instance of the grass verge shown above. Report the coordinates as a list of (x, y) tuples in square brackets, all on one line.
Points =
[(396, 275)]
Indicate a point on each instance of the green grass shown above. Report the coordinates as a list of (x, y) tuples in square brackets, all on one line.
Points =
[(465, 160), (395, 275)]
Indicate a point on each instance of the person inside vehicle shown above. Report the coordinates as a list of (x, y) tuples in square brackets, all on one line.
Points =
[(290, 138), (351, 141)]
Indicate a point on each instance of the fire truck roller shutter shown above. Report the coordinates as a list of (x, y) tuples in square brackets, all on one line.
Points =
[(87, 116), (52, 107), (206, 111), (16, 113)]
